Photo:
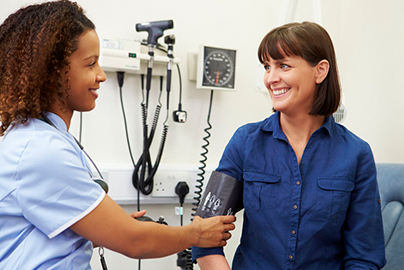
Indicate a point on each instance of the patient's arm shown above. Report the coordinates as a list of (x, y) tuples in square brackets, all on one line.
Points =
[(213, 262)]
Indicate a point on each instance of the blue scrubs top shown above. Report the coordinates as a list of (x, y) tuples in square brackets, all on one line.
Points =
[(44, 189), (323, 214)]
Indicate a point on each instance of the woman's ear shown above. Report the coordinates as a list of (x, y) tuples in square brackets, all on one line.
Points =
[(322, 71)]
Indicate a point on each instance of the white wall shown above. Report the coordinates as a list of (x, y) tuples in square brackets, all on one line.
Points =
[(368, 39)]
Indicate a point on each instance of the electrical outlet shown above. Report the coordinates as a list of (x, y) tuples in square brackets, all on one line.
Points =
[(121, 190), (165, 183)]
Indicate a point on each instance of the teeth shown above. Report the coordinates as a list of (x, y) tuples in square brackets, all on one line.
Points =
[(281, 91)]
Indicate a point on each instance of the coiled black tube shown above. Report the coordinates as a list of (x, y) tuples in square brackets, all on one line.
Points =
[(144, 159), (160, 152), (188, 256), (199, 185), (198, 191), (141, 182)]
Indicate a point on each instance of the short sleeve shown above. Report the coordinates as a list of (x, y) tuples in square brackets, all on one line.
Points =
[(198, 252), (54, 188)]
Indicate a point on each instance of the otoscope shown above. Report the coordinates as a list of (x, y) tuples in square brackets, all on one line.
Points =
[(155, 30)]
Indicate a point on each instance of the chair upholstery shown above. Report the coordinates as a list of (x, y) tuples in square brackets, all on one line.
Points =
[(391, 186)]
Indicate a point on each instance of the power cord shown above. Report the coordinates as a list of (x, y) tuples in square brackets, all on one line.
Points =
[(179, 115), (121, 77), (182, 189), (81, 126)]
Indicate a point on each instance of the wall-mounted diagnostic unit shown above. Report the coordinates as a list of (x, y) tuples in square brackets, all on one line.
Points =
[(120, 55), (131, 57), (216, 68)]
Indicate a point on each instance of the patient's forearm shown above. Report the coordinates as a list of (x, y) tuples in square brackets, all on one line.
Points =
[(213, 262)]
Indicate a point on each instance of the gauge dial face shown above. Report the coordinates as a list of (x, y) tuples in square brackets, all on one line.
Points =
[(219, 66)]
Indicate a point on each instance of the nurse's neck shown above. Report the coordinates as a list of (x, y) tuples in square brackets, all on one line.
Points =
[(63, 113)]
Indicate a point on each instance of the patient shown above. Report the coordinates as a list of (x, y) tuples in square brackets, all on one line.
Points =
[(310, 192)]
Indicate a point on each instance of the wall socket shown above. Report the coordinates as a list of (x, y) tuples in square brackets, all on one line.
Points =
[(165, 183), (121, 190)]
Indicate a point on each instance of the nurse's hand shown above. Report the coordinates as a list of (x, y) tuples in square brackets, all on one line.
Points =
[(213, 231), (138, 214)]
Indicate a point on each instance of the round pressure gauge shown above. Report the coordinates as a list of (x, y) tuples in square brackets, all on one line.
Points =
[(216, 68)]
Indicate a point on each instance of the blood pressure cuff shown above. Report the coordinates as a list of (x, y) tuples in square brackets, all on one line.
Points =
[(223, 195)]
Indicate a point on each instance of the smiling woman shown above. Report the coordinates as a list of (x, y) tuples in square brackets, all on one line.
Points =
[(308, 183)]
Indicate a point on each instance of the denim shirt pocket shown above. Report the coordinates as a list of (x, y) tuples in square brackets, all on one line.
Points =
[(333, 197), (260, 191)]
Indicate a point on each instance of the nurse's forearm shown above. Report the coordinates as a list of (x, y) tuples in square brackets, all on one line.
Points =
[(108, 225)]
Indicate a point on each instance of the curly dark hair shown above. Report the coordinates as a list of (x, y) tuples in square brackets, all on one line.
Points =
[(36, 43)]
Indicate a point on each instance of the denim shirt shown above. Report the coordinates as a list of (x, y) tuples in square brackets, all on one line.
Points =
[(324, 214)]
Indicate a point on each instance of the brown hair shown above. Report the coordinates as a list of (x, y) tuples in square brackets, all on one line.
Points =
[(36, 43), (311, 42)]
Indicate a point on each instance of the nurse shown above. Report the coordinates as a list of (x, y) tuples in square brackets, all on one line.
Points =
[(51, 212), (310, 192)]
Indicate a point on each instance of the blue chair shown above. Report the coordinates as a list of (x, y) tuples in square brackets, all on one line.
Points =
[(391, 185)]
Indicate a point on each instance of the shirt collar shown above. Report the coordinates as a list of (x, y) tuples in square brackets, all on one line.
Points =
[(329, 125), (271, 124), (57, 121)]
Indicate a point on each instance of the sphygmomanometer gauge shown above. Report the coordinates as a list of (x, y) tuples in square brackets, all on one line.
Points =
[(216, 68)]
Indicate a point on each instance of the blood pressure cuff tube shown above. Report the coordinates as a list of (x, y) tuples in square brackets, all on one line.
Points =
[(223, 195)]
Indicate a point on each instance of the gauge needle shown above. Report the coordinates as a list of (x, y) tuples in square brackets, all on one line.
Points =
[(217, 77)]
